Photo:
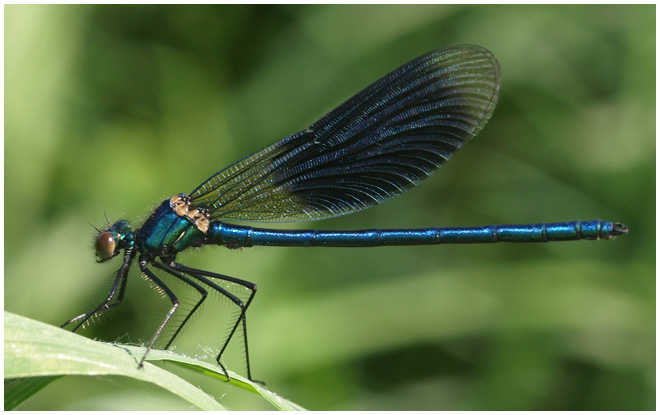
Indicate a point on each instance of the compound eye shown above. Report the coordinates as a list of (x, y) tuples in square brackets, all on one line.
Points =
[(105, 245)]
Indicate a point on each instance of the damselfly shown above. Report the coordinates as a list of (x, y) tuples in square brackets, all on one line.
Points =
[(384, 140)]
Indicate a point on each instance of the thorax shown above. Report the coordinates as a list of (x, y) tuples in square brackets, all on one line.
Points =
[(171, 228)]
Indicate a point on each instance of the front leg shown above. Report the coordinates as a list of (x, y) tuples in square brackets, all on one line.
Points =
[(119, 284)]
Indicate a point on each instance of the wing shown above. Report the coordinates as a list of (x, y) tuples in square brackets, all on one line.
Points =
[(379, 143)]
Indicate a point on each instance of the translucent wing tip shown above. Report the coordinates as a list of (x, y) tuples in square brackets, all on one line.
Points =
[(484, 66)]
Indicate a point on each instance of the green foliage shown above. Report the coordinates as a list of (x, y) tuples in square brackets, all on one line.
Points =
[(36, 354)]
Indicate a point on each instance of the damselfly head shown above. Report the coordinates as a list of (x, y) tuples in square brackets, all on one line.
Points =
[(109, 242)]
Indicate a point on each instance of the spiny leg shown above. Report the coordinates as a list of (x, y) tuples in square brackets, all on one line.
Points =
[(200, 275), (234, 299), (193, 284), (122, 277), (173, 299)]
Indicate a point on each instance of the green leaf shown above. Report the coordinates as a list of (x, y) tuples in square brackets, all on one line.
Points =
[(19, 389), (37, 353)]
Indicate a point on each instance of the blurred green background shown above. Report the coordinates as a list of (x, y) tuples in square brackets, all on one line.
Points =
[(111, 109)]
